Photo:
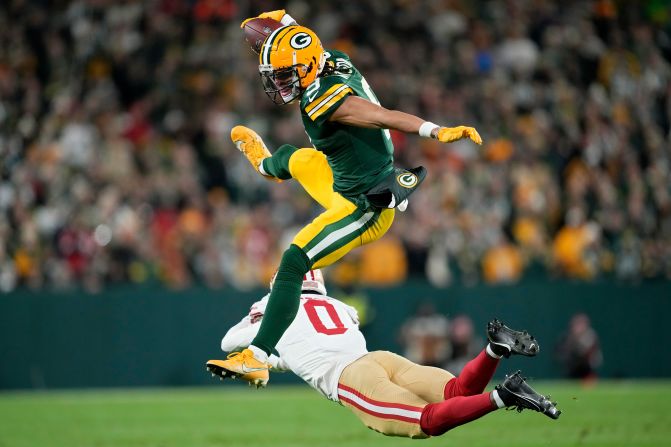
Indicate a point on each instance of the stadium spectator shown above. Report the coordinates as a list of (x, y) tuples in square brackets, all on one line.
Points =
[(463, 341), (425, 336), (116, 165), (579, 350), (502, 263)]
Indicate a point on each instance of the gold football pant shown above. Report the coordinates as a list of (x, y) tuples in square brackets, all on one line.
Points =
[(388, 392), (342, 226)]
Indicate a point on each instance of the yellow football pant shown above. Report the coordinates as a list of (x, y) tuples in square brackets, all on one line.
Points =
[(343, 226)]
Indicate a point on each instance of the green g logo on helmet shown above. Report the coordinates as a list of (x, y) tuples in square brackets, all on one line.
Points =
[(300, 41), (407, 180)]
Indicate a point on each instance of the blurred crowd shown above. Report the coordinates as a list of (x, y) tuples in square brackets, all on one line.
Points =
[(116, 164), (431, 338)]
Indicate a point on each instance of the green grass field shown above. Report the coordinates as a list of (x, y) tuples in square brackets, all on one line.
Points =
[(610, 414)]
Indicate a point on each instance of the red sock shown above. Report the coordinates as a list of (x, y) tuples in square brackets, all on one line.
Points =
[(473, 378), (438, 418)]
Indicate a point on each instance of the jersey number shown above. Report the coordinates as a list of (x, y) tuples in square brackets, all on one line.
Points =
[(312, 90), (335, 326)]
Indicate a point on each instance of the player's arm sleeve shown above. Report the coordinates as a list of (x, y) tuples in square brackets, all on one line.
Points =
[(240, 335), (320, 106)]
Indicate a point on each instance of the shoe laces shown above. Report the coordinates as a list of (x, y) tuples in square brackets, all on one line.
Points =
[(243, 356), (233, 355)]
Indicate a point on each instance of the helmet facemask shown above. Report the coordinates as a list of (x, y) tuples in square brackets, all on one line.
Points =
[(283, 85)]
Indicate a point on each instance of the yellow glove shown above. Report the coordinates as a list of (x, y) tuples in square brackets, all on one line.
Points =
[(450, 134), (275, 15)]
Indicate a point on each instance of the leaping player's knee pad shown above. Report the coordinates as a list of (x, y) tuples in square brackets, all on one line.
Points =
[(294, 265)]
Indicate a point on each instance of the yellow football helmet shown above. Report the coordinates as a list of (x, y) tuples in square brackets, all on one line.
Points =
[(291, 58)]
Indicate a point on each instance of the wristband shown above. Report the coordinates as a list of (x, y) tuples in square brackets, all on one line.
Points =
[(426, 128)]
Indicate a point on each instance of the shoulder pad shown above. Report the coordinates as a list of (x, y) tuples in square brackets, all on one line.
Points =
[(335, 54), (323, 96)]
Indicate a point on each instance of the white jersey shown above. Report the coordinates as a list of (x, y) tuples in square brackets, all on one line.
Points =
[(321, 341)]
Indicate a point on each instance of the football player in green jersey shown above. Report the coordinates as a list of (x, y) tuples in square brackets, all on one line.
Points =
[(350, 170)]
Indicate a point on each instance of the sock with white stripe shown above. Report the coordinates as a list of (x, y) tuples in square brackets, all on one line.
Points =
[(491, 352), (277, 165), (497, 399), (284, 299)]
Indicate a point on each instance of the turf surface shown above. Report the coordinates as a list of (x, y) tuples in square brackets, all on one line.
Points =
[(610, 414)]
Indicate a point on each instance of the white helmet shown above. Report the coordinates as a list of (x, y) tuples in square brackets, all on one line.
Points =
[(313, 281)]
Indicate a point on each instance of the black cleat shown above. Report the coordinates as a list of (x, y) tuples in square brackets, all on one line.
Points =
[(516, 392), (505, 341)]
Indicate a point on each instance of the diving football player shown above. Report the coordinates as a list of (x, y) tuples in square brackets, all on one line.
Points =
[(387, 392)]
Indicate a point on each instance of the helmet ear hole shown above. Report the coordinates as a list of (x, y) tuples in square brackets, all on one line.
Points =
[(305, 73)]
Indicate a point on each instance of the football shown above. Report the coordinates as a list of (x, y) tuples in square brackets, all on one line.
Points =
[(256, 31)]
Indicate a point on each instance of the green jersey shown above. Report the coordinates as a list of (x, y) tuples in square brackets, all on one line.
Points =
[(360, 158)]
